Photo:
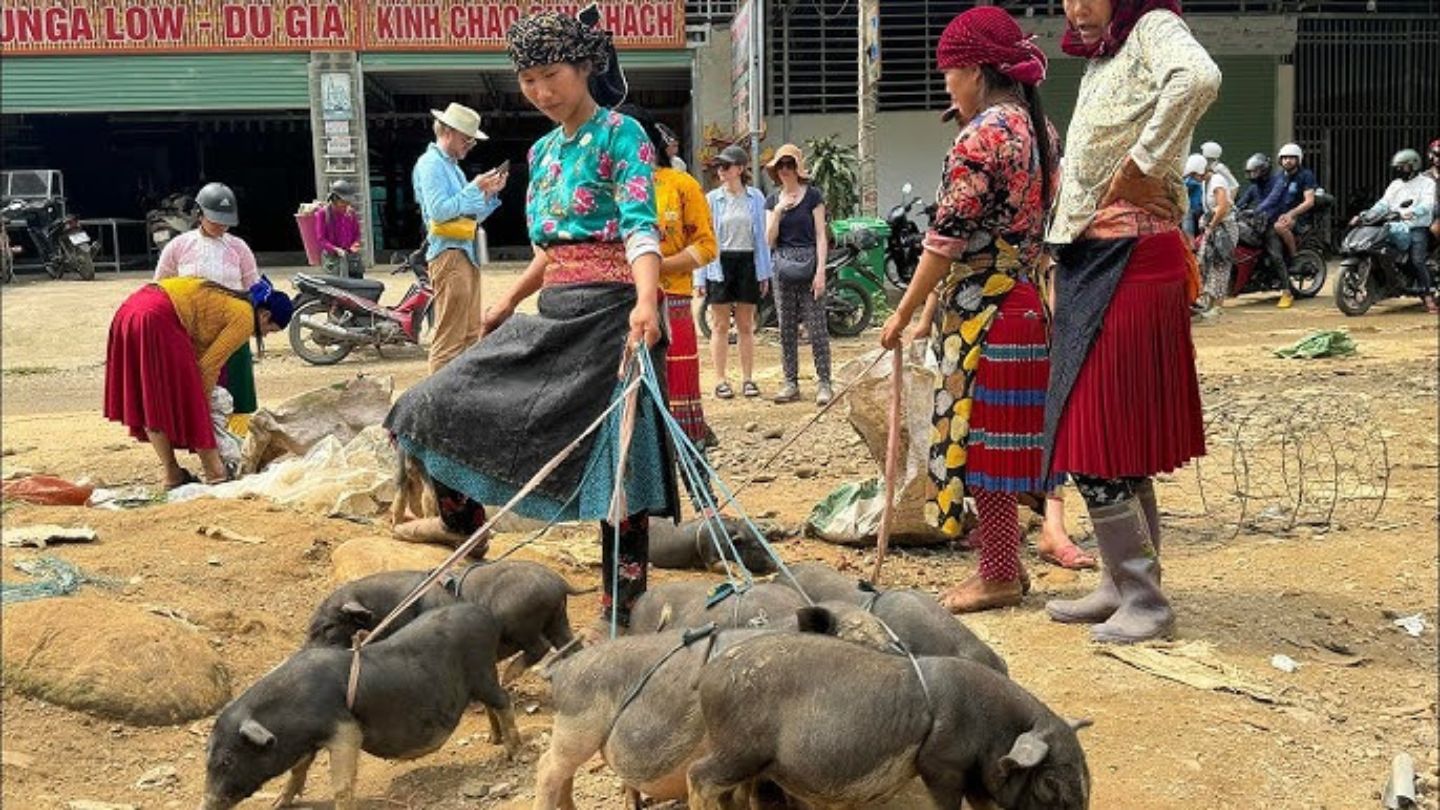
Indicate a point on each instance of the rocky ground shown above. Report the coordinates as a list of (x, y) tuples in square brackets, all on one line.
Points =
[(1325, 591)]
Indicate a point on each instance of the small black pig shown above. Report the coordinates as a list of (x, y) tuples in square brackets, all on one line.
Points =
[(651, 740), (860, 733), (689, 546), (528, 599), (925, 626), (414, 687), (360, 605), (686, 604)]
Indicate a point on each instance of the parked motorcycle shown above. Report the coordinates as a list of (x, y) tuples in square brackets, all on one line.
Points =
[(906, 240), (1254, 271), (61, 244), (335, 314), (1372, 268), (7, 252), (175, 215)]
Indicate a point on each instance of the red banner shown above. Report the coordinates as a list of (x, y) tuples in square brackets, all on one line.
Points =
[(75, 27)]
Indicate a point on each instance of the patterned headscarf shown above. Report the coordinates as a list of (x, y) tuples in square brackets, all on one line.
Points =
[(987, 35), (550, 38), (1123, 17)]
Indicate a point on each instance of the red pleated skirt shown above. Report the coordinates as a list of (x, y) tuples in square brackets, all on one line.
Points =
[(152, 377), (1135, 408), (682, 368), (1007, 422)]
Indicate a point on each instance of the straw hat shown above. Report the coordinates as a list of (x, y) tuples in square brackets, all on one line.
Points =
[(793, 152), (462, 119)]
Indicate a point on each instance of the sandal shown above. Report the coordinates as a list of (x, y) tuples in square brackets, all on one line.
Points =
[(724, 391), (1070, 557), (186, 478), (750, 389)]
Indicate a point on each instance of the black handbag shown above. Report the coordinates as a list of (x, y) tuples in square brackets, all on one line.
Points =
[(793, 264)]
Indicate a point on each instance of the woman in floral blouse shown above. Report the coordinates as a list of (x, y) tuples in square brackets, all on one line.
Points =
[(1124, 401), (488, 421), (983, 246)]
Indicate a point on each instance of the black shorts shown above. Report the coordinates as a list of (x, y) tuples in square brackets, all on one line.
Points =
[(739, 285)]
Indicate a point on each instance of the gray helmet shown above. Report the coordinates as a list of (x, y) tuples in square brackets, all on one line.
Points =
[(1406, 160), (1258, 162), (217, 203), (344, 189)]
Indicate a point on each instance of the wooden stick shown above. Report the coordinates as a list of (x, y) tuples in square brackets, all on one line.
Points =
[(892, 460)]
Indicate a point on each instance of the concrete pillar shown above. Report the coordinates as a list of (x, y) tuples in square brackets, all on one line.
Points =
[(337, 127), (1284, 103)]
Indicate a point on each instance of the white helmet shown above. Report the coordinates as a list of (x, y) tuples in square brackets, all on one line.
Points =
[(1195, 164), (1210, 150), (1291, 150)]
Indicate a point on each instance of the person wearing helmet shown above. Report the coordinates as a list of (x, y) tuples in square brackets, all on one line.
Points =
[(212, 253), (1434, 174), (340, 232), (1211, 151), (168, 343), (1257, 170), (1289, 207), (1221, 230), (1412, 195), (1196, 168)]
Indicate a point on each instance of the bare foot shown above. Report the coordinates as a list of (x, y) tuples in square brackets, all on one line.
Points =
[(976, 594), (1055, 547)]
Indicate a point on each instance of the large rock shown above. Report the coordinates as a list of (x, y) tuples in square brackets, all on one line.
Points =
[(364, 556), (298, 424), (113, 660)]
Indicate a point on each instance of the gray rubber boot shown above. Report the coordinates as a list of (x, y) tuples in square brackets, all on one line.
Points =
[(1124, 538), (1100, 603), (1145, 493)]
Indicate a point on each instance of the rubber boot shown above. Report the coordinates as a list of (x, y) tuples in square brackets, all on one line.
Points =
[(1145, 493), (1124, 539), (1091, 609)]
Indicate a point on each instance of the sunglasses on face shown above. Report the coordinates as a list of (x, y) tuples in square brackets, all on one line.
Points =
[(787, 163)]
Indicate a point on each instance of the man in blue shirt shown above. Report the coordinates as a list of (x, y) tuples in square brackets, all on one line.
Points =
[(456, 206), (1289, 206)]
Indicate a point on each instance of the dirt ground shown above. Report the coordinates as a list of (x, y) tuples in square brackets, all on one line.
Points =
[(1252, 591)]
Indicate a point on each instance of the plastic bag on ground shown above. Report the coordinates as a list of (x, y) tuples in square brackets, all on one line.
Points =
[(46, 490), (222, 406), (296, 426)]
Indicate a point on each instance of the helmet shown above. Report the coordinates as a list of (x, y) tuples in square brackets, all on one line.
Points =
[(1259, 163), (344, 189), (1210, 150), (217, 203), (1406, 161), (1195, 164), (1291, 150)]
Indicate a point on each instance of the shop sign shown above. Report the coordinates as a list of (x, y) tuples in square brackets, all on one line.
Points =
[(455, 25), (33, 27), (75, 27)]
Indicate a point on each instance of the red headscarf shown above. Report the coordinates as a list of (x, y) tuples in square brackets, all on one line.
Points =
[(1125, 14), (987, 35)]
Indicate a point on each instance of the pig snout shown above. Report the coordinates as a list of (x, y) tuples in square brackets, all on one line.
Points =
[(213, 802)]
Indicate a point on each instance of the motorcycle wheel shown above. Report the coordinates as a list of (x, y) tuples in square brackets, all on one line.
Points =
[(1357, 289), (1307, 274), (764, 316), (848, 308), (312, 351), (84, 266)]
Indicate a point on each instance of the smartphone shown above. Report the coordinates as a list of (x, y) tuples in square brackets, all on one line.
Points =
[(503, 168)]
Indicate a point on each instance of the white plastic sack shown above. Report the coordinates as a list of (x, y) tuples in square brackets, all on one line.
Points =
[(221, 406), (355, 479), (297, 425)]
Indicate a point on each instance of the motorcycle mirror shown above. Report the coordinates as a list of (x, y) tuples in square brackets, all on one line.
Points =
[(906, 189)]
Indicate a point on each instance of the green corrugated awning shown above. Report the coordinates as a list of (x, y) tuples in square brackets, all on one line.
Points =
[(400, 62), (56, 84)]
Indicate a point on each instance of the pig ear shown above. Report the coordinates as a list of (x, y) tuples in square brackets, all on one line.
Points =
[(1029, 750), (817, 620), (1079, 723), (256, 734), (357, 611)]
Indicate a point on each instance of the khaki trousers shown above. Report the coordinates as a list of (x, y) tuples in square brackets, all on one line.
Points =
[(457, 306)]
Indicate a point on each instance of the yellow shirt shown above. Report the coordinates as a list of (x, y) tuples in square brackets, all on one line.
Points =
[(684, 217), (217, 320)]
